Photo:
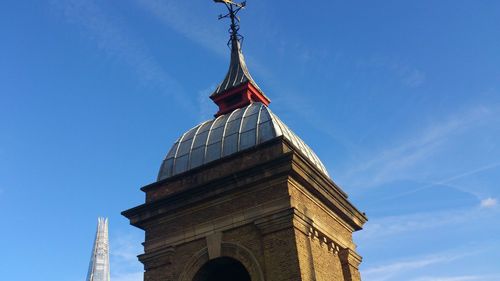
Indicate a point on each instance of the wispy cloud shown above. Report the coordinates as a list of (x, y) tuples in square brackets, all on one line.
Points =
[(408, 75), (384, 227), (179, 18), (398, 161), (390, 270), (490, 202), (124, 249), (459, 278), (205, 105), (116, 42)]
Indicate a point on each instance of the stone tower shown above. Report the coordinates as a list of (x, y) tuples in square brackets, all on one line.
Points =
[(99, 260), (241, 197)]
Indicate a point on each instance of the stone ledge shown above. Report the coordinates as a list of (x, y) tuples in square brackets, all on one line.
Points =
[(220, 224)]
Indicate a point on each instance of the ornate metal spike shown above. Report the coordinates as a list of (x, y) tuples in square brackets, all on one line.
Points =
[(233, 10)]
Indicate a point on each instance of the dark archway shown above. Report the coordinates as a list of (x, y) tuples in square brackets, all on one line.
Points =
[(222, 269)]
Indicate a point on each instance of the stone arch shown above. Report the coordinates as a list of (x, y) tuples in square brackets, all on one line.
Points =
[(230, 250)]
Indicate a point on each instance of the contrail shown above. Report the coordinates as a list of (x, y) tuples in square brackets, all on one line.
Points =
[(448, 180)]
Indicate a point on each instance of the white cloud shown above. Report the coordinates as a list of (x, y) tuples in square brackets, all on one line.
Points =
[(459, 278), (390, 270), (135, 276), (124, 249), (489, 202)]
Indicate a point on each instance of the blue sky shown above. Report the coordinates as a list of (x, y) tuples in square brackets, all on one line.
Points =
[(400, 99)]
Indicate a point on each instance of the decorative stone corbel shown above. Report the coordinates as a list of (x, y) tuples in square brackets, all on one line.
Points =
[(323, 239), (157, 258)]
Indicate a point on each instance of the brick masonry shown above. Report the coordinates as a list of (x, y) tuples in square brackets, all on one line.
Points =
[(267, 207)]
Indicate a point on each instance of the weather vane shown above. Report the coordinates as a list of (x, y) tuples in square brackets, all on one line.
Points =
[(233, 8)]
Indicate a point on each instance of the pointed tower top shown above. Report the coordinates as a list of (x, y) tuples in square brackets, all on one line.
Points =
[(238, 89), (99, 260)]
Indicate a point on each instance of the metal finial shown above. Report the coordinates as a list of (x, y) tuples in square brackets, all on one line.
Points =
[(233, 9), (238, 88)]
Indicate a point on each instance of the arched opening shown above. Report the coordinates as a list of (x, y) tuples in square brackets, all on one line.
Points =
[(222, 269)]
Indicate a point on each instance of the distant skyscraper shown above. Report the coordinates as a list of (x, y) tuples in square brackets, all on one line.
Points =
[(99, 261)]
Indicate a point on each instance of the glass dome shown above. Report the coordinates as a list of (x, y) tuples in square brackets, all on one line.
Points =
[(227, 134)]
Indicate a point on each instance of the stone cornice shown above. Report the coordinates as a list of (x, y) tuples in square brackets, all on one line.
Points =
[(252, 176), (350, 257), (198, 176), (251, 171), (320, 205), (326, 191), (230, 221), (158, 258), (307, 226)]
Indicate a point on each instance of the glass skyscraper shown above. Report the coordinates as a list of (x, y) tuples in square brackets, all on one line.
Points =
[(99, 260)]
